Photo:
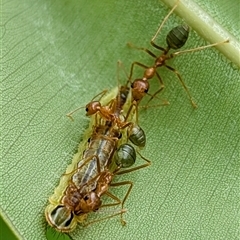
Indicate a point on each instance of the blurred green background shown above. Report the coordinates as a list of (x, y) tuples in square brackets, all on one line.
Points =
[(6, 233)]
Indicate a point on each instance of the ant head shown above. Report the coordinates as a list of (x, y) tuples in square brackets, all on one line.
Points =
[(178, 36), (139, 89), (93, 107), (90, 202)]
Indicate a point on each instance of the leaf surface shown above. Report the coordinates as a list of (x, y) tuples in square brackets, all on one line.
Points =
[(57, 55)]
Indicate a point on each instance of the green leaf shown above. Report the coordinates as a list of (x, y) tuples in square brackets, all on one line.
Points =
[(57, 55)]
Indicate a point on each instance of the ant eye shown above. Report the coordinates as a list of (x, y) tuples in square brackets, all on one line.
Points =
[(89, 140), (146, 90), (85, 198), (87, 109), (132, 85)]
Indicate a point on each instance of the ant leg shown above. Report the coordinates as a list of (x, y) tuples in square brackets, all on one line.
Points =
[(111, 103), (72, 112), (183, 84), (136, 108), (135, 168), (126, 195), (123, 91), (102, 219), (154, 95), (160, 27), (118, 201), (158, 47), (100, 94), (132, 66), (127, 124), (143, 49), (120, 65), (198, 48), (122, 88), (165, 103), (117, 172), (97, 120), (160, 80), (84, 163), (134, 104), (160, 89)]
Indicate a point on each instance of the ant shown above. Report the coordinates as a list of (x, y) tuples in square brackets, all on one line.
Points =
[(175, 39)]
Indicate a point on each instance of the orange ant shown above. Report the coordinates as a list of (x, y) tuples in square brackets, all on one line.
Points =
[(175, 39), (110, 112)]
